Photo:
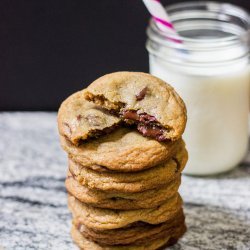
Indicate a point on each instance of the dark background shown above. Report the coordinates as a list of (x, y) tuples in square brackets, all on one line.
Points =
[(51, 48)]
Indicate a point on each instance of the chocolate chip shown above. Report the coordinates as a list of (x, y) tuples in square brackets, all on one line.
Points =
[(154, 131), (141, 94), (143, 117), (79, 117), (131, 114), (146, 124), (161, 138), (146, 118), (149, 131)]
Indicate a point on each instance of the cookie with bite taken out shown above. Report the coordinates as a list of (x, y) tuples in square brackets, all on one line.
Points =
[(141, 99), (80, 120)]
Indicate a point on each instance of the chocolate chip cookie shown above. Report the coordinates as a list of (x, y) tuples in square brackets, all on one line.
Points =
[(168, 240), (141, 99), (130, 182), (135, 233), (79, 119), (120, 200), (123, 150), (99, 218)]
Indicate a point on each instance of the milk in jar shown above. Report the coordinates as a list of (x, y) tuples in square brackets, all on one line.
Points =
[(210, 72)]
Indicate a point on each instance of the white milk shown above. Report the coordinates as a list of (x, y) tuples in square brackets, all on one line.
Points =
[(217, 129), (210, 72)]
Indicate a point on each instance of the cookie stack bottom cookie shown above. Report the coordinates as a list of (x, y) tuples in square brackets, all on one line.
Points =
[(95, 228), (127, 210), (148, 244)]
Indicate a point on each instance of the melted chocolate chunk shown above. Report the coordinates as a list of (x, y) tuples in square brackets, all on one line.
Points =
[(142, 94), (143, 117), (131, 115), (146, 124), (151, 131)]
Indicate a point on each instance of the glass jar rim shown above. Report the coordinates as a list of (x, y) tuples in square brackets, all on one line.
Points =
[(159, 36)]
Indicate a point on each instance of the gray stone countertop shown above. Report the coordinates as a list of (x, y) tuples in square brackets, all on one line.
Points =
[(33, 206)]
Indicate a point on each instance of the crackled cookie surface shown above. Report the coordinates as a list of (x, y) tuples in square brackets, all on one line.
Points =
[(123, 150), (122, 200), (141, 99), (79, 119)]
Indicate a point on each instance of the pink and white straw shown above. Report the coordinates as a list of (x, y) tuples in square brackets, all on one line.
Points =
[(162, 20)]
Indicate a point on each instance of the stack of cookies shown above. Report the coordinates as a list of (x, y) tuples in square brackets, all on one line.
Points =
[(123, 139)]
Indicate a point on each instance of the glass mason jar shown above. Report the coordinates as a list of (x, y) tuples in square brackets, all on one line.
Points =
[(210, 71)]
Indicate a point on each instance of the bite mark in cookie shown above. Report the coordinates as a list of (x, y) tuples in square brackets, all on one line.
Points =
[(141, 99), (146, 124), (80, 120)]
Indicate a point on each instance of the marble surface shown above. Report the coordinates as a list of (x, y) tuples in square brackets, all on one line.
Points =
[(33, 210)]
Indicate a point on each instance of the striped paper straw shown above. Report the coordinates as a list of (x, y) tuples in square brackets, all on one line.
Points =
[(162, 20)]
